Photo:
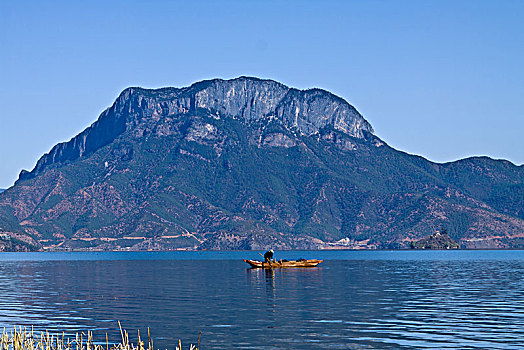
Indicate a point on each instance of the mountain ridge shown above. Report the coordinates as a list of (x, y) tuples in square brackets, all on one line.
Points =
[(250, 163), (82, 143)]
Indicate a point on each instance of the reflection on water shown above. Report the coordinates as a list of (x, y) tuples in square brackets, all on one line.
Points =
[(345, 303)]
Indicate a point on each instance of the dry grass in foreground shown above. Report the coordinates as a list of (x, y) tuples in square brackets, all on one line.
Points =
[(22, 339)]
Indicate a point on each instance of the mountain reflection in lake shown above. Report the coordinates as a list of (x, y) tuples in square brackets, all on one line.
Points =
[(391, 300)]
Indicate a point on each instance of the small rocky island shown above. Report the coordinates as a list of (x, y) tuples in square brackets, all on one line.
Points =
[(438, 240)]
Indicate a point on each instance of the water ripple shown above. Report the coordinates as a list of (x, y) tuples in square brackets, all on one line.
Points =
[(458, 303)]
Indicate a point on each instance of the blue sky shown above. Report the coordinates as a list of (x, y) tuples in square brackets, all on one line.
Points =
[(442, 79)]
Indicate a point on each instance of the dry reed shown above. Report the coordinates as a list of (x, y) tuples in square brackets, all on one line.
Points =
[(22, 339)]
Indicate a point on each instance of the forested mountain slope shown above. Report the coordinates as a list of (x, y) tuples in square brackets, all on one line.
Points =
[(249, 164)]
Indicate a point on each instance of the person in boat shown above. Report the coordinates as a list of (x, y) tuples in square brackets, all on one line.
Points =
[(268, 256)]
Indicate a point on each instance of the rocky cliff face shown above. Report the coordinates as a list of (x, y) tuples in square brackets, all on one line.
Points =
[(247, 99), (250, 164)]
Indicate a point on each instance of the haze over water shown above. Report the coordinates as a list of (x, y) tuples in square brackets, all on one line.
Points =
[(372, 299)]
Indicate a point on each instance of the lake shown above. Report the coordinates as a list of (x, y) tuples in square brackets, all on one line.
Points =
[(353, 300)]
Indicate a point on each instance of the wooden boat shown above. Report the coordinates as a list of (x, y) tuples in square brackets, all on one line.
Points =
[(283, 264)]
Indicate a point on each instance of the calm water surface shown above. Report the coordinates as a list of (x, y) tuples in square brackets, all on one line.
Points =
[(354, 300)]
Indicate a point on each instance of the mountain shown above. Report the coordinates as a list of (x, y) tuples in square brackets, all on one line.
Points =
[(2, 190), (249, 164)]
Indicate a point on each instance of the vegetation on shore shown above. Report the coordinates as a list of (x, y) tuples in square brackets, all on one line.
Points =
[(22, 339)]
